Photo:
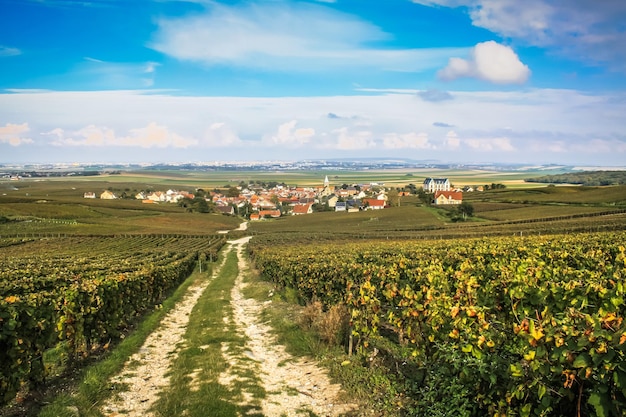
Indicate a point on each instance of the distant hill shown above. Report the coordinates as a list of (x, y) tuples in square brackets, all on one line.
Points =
[(589, 178)]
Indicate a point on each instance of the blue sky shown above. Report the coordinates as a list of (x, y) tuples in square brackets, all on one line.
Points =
[(532, 82)]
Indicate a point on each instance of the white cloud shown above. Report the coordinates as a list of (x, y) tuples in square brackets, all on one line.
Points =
[(13, 134), (406, 141), (346, 140), (501, 144), (151, 136), (452, 141), (220, 135), (116, 75), (489, 61), (286, 36), (585, 30), (154, 135), (528, 125), (290, 136), (435, 95)]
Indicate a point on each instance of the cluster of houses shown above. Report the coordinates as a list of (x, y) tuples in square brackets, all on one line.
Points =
[(260, 203), (170, 196), (441, 188)]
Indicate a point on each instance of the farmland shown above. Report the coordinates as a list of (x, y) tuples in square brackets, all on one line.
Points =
[(498, 296)]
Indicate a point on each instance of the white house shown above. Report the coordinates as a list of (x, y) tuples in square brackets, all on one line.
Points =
[(432, 185)]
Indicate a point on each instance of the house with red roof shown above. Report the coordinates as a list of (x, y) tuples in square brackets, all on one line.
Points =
[(373, 204), (448, 197), (302, 209)]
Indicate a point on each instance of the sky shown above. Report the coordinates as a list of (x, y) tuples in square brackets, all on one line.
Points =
[(456, 81)]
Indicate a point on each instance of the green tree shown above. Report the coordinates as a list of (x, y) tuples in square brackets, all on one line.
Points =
[(393, 197), (465, 209), (202, 206), (232, 192)]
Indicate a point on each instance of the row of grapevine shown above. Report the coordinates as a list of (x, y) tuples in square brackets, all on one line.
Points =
[(523, 326), (70, 293)]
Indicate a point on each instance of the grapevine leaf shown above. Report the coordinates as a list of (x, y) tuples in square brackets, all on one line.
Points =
[(600, 403), (582, 361), (542, 391)]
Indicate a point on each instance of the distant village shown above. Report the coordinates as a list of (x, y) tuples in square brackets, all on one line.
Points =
[(257, 202)]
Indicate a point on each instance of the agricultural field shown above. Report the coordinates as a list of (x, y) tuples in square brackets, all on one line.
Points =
[(494, 326), (58, 206), (409, 275), (76, 294)]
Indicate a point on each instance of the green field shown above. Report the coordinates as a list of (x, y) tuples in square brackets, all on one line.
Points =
[(56, 205), (52, 219)]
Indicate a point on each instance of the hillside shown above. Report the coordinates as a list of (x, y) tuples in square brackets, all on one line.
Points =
[(588, 178)]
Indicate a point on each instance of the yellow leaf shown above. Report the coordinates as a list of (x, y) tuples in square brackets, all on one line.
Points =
[(536, 334), (11, 299)]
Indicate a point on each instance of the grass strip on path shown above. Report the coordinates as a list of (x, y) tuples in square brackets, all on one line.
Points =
[(196, 387)]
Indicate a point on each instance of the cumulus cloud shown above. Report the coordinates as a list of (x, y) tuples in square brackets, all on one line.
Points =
[(221, 135), (435, 95), (12, 134), (289, 135), (566, 120), (151, 136), (345, 139), (286, 36), (406, 141), (452, 141), (489, 61), (584, 30)]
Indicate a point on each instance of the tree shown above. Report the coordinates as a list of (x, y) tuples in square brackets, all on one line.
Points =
[(232, 192), (393, 197), (466, 209), (203, 206), (425, 198)]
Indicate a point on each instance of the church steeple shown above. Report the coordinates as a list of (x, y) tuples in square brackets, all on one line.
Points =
[(326, 182)]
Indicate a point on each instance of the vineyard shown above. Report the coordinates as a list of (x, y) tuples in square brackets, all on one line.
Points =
[(515, 326), (82, 293)]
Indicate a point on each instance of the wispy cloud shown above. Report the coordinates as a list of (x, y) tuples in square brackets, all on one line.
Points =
[(116, 75), (435, 95), (8, 51), (285, 36)]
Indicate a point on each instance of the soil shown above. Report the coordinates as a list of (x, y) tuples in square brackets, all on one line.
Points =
[(294, 386)]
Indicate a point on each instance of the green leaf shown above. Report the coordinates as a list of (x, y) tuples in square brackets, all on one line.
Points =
[(542, 391), (619, 378), (526, 409), (600, 403), (582, 361), (516, 370)]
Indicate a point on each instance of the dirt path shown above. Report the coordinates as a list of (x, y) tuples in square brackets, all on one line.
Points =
[(294, 386), (145, 373)]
